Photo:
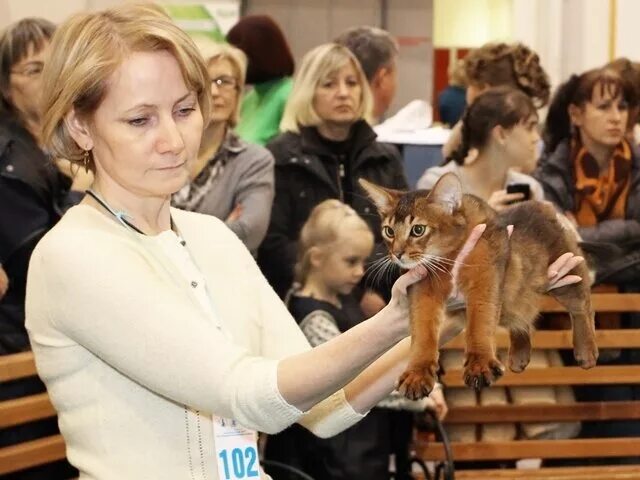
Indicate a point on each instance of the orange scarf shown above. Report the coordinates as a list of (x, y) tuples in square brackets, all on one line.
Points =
[(601, 195)]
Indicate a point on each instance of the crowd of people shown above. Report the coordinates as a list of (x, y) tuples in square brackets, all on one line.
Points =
[(183, 238)]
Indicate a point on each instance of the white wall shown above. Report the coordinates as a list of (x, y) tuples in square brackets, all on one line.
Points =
[(627, 40)]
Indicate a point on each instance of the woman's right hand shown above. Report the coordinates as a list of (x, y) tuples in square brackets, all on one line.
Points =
[(501, 200), (4, 282)]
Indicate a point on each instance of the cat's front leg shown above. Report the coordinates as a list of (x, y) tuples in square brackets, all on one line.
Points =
[(481, 285), (427, 312)]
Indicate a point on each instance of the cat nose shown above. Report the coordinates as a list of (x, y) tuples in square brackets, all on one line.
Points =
[(398, 254)]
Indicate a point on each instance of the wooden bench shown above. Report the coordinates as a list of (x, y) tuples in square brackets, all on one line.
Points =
[(429, 450), (23, 410)]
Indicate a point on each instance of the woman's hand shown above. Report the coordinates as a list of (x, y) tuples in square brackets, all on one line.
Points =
[(235, 214), (501, 200), (4, 282), (371, 303), (558, 270), (439, 403)]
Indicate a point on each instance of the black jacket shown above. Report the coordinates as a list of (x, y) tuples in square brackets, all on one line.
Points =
[(614, 243), (307, 172), (33, 195)]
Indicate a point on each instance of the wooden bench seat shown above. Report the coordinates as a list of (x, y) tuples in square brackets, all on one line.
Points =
[(23, 410), (605, 448)]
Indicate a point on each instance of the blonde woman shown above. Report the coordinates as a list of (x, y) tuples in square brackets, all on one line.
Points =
[(326, 146), (162, 346), (231, 179)]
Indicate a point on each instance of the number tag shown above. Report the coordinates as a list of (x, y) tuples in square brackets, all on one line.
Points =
[(236, 450)]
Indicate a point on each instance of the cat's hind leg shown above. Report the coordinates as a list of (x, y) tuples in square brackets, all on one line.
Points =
[(576, 299), (519, 348)]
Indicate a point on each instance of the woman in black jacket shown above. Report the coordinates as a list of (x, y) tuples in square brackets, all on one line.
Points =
[(326, 146), (33, 195)]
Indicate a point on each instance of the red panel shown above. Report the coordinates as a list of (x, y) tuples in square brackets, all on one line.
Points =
[(441, 74)]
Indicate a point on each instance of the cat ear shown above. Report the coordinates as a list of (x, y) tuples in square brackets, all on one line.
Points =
[(384, 198), (447, 192)]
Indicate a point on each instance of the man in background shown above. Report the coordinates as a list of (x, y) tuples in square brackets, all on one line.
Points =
[(377, 51)]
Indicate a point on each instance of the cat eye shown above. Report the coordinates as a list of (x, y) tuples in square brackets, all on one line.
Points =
[(418, 230), (388, 232)]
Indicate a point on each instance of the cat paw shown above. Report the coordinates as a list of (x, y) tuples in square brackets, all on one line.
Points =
[(586, 354), (481, 371), (519, 359), (416, 383)]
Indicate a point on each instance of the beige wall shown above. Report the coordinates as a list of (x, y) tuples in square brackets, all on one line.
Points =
[(306, 23)]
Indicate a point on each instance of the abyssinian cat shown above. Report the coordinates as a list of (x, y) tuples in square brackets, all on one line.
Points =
[(502, 278)]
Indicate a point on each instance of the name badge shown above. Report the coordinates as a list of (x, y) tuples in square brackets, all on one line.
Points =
[(236, 450)]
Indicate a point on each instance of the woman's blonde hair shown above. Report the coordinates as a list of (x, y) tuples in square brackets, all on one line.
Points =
[(89, 47), (316, 66), (213, 51), (322, 229)]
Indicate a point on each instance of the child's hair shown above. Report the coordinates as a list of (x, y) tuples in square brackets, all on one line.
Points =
[(578, 90), (323, 228), (514, 65), (504, 106)]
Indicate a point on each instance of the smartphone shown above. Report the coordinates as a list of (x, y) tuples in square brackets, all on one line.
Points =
[(523, 188)]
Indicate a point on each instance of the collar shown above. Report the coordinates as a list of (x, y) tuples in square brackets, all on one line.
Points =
[(360, 136)]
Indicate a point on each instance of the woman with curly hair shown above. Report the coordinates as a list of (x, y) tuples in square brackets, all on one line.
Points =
[(501, 64)]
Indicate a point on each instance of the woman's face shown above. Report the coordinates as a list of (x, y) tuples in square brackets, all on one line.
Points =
[(521, 143), (224, 90), (338, 96), (603, 120), (147, 130), (25, 83)]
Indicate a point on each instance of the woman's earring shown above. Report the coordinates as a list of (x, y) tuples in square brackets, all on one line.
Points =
[(85, 161)]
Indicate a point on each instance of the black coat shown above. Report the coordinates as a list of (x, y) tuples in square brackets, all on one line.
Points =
[(33, 195), (307, 172), (615, 244)]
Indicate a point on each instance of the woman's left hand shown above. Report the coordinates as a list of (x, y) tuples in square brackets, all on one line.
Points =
[(4, 282), (559, 269), (439, 403)]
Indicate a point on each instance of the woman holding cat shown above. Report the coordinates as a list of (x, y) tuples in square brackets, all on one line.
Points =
[(326, 146), (496, 65), (152, 326), (591, 172), (231, 179)]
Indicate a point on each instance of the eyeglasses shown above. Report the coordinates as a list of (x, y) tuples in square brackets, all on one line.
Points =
[(32, 69), (225, 82)]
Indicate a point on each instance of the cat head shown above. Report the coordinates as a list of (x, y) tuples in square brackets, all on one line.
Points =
[(421, 226)]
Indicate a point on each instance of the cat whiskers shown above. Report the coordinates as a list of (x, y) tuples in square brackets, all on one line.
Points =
[(379, 270)]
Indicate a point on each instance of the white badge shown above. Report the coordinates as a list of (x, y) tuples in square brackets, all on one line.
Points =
[(236, 450)]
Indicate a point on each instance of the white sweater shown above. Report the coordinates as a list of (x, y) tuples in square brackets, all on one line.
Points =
[(135, 365)]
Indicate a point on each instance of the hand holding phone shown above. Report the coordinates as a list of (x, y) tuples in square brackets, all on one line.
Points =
[(523, 188)]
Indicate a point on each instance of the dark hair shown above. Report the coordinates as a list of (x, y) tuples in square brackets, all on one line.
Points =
[(15, 42), (504, 106), (630, 71), (578, 90), (514, 65), (265, 46), (373, 47)]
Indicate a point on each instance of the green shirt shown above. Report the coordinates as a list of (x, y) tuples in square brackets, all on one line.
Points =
[(262, 109)]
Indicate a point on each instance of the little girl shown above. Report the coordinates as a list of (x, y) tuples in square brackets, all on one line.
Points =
[(333, 249)]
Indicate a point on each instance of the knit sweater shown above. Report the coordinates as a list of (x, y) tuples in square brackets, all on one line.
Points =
[(134, 362)]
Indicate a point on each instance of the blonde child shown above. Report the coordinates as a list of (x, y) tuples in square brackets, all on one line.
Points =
[(333, 249)]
